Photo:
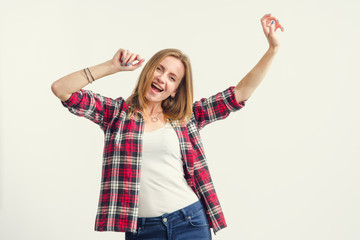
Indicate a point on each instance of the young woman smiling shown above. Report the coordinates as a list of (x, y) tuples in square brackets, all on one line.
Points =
[(155, 180)]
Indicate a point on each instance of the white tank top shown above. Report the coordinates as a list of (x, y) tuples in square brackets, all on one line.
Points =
[(163, 188)]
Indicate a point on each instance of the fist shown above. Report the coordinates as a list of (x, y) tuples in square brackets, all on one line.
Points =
[(124, 60), (270, 24)]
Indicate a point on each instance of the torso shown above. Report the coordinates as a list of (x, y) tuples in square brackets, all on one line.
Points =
[(163, 187)]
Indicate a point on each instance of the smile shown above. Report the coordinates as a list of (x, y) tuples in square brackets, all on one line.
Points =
[(156, 88)]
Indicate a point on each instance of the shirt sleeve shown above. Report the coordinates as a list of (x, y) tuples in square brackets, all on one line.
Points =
[(93, 106), (216, 107)]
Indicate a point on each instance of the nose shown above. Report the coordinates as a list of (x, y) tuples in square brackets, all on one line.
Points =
[(161, 78)]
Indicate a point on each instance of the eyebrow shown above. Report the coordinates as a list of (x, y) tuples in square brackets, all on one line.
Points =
[(170, 72)]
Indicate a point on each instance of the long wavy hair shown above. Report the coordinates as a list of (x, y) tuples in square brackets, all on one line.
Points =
[(177, 108)]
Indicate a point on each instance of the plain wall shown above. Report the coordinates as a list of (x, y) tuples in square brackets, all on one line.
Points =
[(285, 167)]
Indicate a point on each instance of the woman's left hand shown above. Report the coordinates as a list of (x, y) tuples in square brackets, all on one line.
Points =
[(270, 24)]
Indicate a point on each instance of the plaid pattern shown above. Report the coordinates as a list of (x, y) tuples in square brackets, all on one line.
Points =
[(119, 196)]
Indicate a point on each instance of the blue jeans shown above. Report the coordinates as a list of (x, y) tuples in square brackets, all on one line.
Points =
[(184, 224)]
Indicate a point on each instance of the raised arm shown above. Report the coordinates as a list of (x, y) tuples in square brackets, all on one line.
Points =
[(252, 80), (123, 60)]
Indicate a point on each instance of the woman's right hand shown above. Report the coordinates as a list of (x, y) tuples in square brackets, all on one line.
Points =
[(125, 60)]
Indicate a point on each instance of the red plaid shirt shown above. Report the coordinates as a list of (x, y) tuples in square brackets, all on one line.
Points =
[(120, 185)]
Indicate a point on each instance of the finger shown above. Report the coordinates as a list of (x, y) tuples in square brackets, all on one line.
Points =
[(276, 21), (136, 60), (122, 57), (138, 64), (127, 55), (263, 20), (265, 16), (131, 59), (278, 25), (272, 28), (265, 26), (269, 20)]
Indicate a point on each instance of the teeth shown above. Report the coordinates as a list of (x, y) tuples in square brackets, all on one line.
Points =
[(157, 86)]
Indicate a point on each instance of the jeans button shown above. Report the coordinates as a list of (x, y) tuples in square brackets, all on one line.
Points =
[(165, 220)]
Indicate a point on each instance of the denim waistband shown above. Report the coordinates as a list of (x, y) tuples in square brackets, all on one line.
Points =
[(184, 212)]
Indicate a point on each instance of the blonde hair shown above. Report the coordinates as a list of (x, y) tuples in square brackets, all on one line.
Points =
[(177, 108)]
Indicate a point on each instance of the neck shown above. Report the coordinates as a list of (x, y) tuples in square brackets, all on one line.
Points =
[(153, 109)]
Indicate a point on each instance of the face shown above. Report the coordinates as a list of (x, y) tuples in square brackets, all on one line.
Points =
[(167, 77)]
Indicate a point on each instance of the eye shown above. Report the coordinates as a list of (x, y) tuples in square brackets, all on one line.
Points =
[(172, 78), (158, 68)]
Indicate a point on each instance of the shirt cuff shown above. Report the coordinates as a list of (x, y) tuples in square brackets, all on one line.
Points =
[(231, 103), (74, 99)]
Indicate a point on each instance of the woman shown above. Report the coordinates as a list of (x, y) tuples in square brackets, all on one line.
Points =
[(155, 179)]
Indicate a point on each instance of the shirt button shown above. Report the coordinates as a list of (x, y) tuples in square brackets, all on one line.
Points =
[(189, 217), (165, 219)]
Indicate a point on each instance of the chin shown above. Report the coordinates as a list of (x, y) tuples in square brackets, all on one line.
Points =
[(153, 99)]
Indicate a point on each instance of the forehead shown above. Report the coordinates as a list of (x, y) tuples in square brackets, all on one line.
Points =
[(173, 65)]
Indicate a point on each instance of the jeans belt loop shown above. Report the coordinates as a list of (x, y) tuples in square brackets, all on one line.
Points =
[(184, 214)]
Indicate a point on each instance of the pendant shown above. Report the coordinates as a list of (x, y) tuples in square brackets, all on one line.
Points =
[(154, 119)]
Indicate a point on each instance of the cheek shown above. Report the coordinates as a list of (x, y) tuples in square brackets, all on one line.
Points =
[(172, 87)]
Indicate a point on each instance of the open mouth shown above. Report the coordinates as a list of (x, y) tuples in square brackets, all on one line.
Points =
[(156, 88)]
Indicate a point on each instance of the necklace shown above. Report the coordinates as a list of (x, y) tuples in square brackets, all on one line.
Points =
[(155, 118)]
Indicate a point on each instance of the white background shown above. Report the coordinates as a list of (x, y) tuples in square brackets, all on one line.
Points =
[(284, 167)]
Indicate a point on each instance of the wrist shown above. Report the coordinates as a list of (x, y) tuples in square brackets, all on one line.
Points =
[(111, 68), (273, 49)]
